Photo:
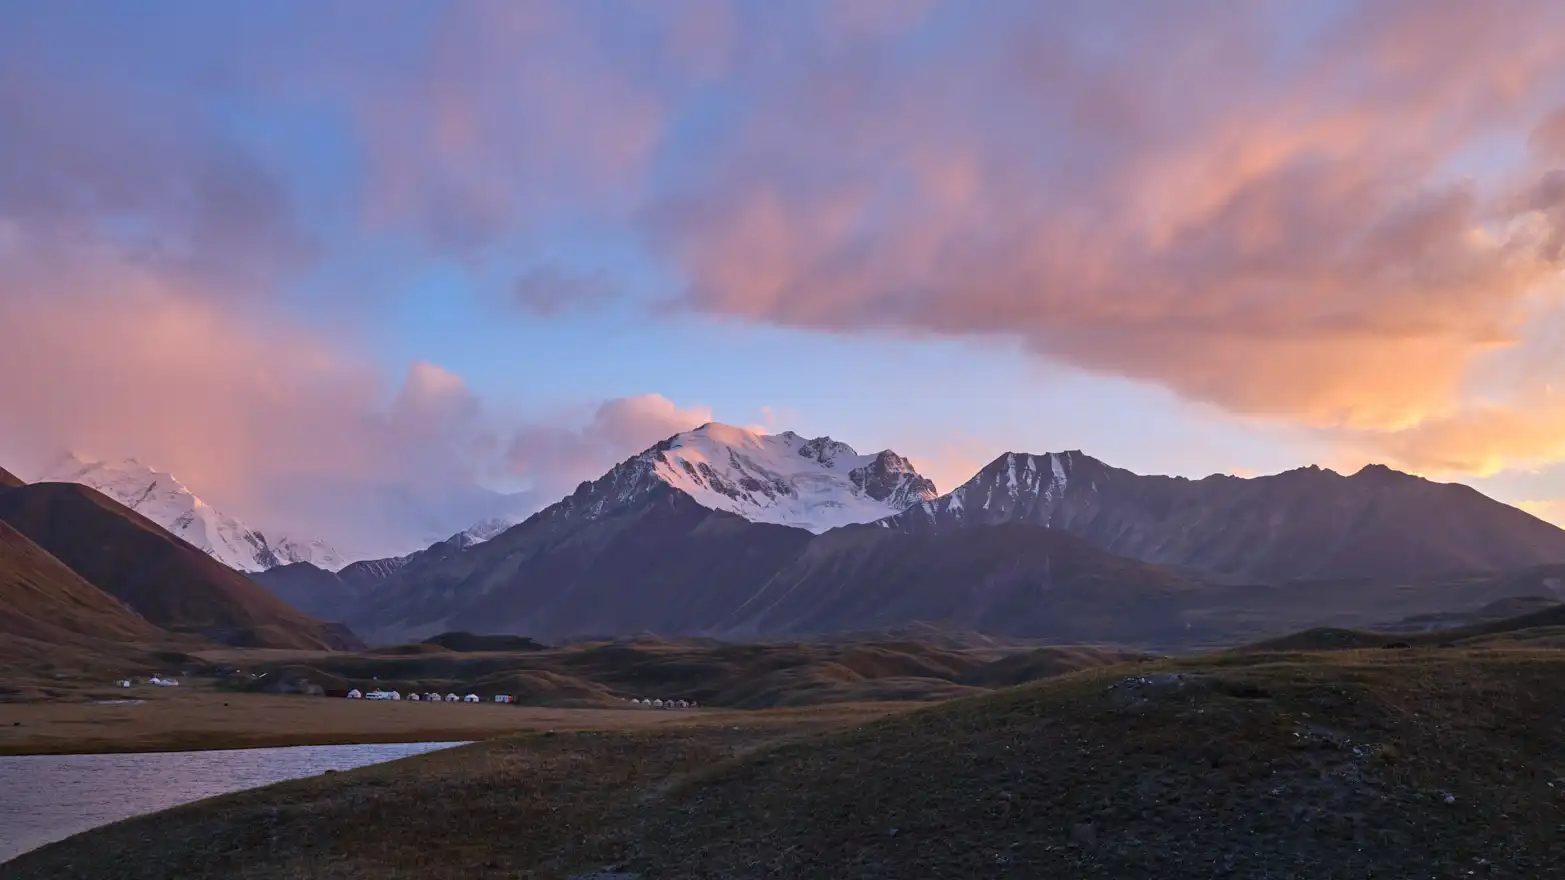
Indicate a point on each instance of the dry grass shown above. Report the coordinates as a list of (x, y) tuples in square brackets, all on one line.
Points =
[(1416, 763), (523, 806), (186, 718)]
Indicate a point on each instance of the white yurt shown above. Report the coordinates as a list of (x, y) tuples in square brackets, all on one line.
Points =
[(413, 696), (658, 704), (470, 698), (453, 698), (355, 694)]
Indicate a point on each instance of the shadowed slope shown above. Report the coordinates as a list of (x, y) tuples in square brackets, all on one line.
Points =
[(41, 598), (164, 579), (1333, 765), (9, 480), (1305, 523)]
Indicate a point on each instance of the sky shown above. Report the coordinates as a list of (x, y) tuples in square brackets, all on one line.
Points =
[(302, 254)]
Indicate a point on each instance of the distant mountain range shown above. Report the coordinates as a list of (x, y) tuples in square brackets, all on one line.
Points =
[(76, 563), (1307, 523), (726, 532), (166, 501)]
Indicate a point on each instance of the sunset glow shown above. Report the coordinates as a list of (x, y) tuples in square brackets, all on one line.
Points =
[(510, 243)]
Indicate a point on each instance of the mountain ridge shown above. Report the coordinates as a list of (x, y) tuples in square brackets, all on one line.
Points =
[(42, 598), (1303, 523), (161, 577), (162, 498)]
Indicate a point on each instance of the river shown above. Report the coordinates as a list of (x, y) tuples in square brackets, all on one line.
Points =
[(44, 798)]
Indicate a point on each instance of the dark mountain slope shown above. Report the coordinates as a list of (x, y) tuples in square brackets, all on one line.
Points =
[(9, 480), (343, 594), (1013, 580), (315, 591), (42, 598), (166, 581), (1303, 524), (666, 564)]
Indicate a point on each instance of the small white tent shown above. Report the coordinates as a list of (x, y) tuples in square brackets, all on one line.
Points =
[(355, 694), (452, 698), (683, 704), (470, 698), (413, 696), (657, 704)]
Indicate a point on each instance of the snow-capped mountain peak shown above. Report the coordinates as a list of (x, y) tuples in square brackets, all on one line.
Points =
[(166, 501), (784, 479), (1016, 485)]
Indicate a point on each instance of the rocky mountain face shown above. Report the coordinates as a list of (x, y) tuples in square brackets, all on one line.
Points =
[(166, 501), (342, 595), (1307, 523), (723, 532), (781, 479)]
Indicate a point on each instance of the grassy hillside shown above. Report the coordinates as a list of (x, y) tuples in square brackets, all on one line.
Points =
[(165, 580), (1422, 763), (41, 598)]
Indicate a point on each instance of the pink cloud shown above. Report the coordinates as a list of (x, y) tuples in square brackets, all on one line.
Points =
[(515, 111), (113, 360), (1162, 202), (555, 457)]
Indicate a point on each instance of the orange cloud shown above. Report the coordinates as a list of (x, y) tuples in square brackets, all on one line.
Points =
[(1166, 205), (1551, 511), (1483, 439)]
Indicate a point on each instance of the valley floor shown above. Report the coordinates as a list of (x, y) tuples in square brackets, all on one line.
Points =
[(1424, 762), (191, 718)]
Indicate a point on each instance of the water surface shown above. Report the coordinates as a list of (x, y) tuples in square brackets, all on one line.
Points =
[(44, 798)]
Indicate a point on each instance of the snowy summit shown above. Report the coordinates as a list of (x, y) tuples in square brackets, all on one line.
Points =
[(785, 479), (166, 501)]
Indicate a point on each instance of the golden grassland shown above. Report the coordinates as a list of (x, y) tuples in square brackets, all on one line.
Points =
[(1423, 762), (192, 717)]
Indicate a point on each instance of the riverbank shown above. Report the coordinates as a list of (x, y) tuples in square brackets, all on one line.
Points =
[(193, 719)]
